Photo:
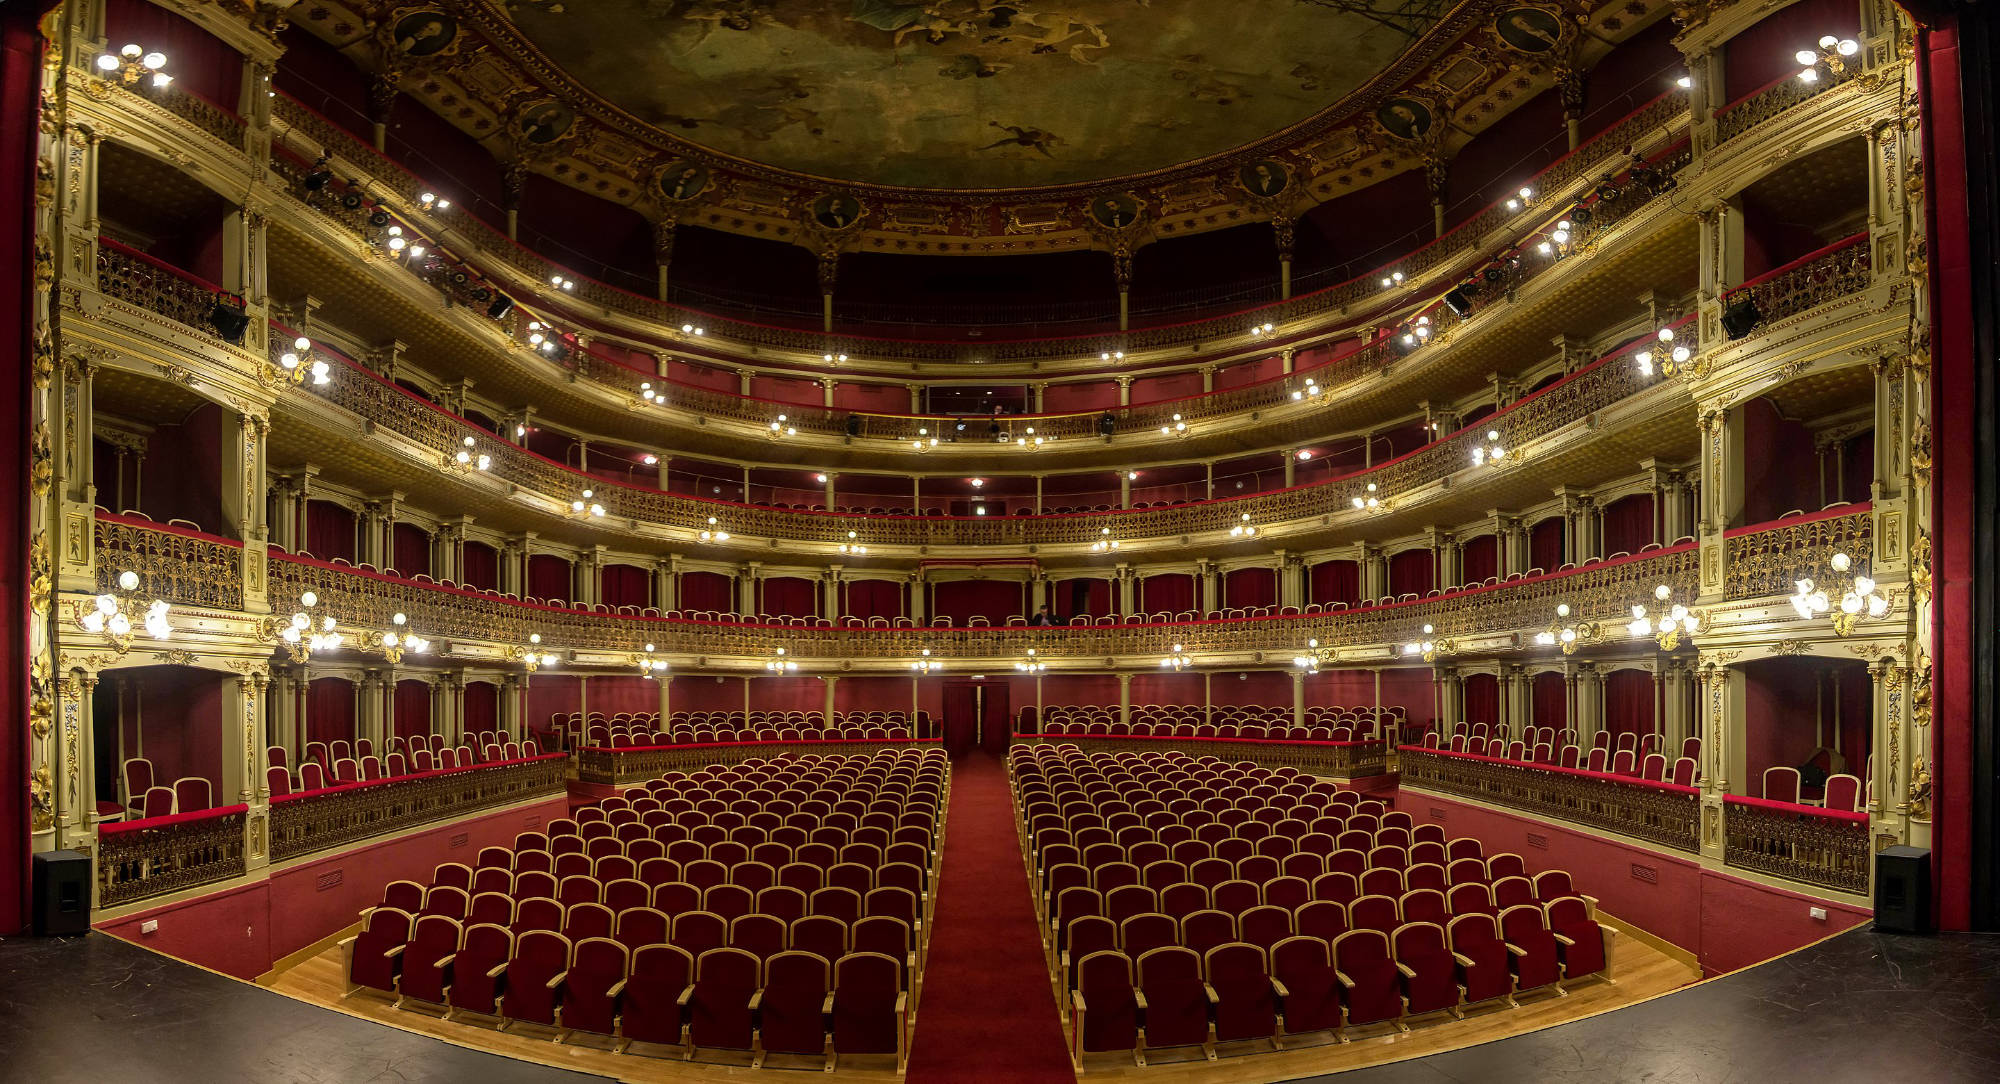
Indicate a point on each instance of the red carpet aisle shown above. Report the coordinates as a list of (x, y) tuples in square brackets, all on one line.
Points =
[(987, 1012)]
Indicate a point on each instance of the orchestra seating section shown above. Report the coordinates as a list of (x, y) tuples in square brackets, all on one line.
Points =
[(1187, 902), (326, 764), (772, 908), (1219, 721), (708, 727)]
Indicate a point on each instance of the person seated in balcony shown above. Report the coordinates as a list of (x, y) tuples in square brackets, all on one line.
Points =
[(1042, 616)]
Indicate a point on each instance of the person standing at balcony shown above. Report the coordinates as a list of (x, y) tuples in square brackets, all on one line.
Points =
[(1043, 617)]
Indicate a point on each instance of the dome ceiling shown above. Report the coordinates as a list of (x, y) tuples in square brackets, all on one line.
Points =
[(971, 94)]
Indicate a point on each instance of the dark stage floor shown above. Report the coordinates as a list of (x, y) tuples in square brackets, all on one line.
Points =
[(1860, 1007)]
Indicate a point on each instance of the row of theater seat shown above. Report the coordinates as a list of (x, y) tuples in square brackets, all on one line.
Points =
[(1128, 913), (688, 728), (750, 943)]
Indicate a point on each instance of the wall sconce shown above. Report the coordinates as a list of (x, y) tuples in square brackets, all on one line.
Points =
[(111, 614)]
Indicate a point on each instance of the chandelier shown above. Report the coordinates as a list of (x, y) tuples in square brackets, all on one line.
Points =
[(303, 633), (1490, 451), (1243, 529), (1429, 647), (1367, 501), (1031, 665), (927, 664), (532, 656), (585, 506), (469, 458), (712, 533), (852, 547), (1830, 57), (1565, 632), (1177, 660), (1177, 427), (1675, 356), (1862, 596), (297, 365), (1674, 619), (397, 640), (781, 428), (648, 665), (1104, 542), (1310, 661), (132, 63), (781, 664), (111, 614)]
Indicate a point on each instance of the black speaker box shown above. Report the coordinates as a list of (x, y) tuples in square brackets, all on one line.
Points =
[(62, 894), (228, 322), (1741, 317), (1903, 890), (500, 307), (1459, 301)]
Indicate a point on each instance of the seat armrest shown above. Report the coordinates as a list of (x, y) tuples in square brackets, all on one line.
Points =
[(556, 980), (1076, 1000), (826, 1006), (396, 950), (347, 943), (616, 989), (1139, 998), (445, 961), (1464, 960), (686, 996), (902, 1003), (497, 969), (1516, 949), (1278, 988), (757, 1000), (1560, 939), (1213, 1000), (1344, 980), (1408, 971)]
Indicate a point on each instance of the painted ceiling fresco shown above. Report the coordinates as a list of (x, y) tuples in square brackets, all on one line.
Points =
[(971, 93)]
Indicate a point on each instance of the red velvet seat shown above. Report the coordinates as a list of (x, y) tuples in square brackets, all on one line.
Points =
[(1485, 968), (1264, 925), (597, 975), (1374, 913), (1513, 892), (1370, 983), (699, 932), (1425, 905), (1308, 991), (762, 936), (1105, 1004), (1580, 938), (1085, 935), (1245, 1004), (1536, 953), (535, 977), (477, 972), (676, 898), (1175, 1008), (870, 1008), (719, 1011), (642, 926), (426, 972), (374, 955), (656, 996), (1142, 933), (821, 935), (403, 896), (587, 920), (1430, 974), (1204, 930), (791, 1008)]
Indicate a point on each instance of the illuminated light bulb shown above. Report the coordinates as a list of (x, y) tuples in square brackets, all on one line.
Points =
[(1863, 585), (108, 63), (1810, 75), (119, 624), (302, 343), (1848, 47), (1569, 636), (1358, 502), (308, 600), (1685, 82), (1877, 605), (1543, 248), (1560, 237), (1840, 562), (1562, 609)]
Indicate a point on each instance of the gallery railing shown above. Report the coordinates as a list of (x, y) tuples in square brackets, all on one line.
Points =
[(1824, 847), (1759, 106), (1837, 270), (128, 275), (1770, 558), (221, 123), (1339, 759), (173, 562), (141, 859), (315, 820), (635, 764), (1600, 591), (1661, 813)]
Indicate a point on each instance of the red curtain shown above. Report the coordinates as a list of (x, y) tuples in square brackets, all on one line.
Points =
[(995, 600), (20, 88), (199, 61), (330, 710), (1628, 702), (790, 596), (1479, 559), (1628, 524), (413, 709), (1246, 587), (547, 695), (1335, 581), (1088, 597), (412, 546), (625, 585), (482, 706), (874, 598), (329, 531), (548, 577), (1411, 690), (1551, 700), (1412, 572), (1545, 544), (481, 566), (707, 591), (1482, 698), (1170, 593)]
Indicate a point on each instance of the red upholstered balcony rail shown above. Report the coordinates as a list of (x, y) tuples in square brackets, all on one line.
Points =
[(1461, 242), (636, 763), (1660, 813), (1342, 759), (154, 856), (314, 820), (1826, 847)]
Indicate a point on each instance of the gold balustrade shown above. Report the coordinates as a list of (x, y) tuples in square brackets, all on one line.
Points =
[(1768, 559), (636, 764), (1753, 110), (1797, 843), (1659, 813), (1810, 281), (137, 279), (221, 123), (183, 566), (317, 820), (141, 859), (1347, 760), (1462, 243)]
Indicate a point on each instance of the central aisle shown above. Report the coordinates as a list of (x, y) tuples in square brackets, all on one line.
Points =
[(987, 1013)]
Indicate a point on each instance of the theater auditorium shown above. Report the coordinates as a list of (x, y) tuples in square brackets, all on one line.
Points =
[(1165, 541)]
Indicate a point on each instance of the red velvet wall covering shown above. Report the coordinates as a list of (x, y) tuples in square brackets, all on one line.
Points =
[(1630, 703), (1546, 550), (614, 693), (548, 577), (1248, 372), (786, 390), (873, 694), (1340, 689), (790, 596), (706, 694), (707, 591), (1482, 698), (874, 598), (180, 715), (413, 709), (704, 376), (1628, 524), (1063, 398), (1168, 688), (1251, 688), (625, 585), (1245, 587), (1154, 389), (1170, 593), (787, 693), (1413, 691), (547, 695), (1551, 699), (1780, 467), (480, 566), (1479, 559), (330, 712), (482, 707), (182, 472), (1334, 581), (412, 555), (1083, 689), (199, 61), (1763, 52), (874, 398), (1412, 572), (329, 531), (995, 600)]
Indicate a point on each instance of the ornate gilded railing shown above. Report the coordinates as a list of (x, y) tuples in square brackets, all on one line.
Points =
[(1799, 843), (1752, 110), (175, 563), (1768, 558), (1463, 242), (1601, 590), (1659, 813), (1338, 759), (221, 123), (316, 820), (140, 859), (634, 764), (128, 275), (1812, 280)]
